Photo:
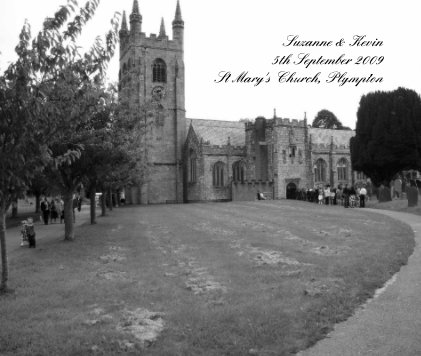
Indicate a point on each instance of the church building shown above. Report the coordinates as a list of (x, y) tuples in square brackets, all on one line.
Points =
[(195, 160)]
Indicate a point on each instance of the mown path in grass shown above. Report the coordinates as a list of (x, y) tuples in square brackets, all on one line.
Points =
[(262, 278)]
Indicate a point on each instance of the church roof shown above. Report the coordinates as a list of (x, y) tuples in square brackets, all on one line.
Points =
[(215, 132), (325, 136)]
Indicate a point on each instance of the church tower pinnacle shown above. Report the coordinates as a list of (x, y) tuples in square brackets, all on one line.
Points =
[(135, 19), (124, 33), (178, 25), (124, 30), (162, 33)]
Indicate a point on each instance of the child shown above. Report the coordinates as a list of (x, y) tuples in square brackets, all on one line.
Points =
[(24, 241), (320, 196), (30, 233)]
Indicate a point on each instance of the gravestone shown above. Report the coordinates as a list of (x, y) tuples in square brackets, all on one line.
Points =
[(412, 194), (384, 194)]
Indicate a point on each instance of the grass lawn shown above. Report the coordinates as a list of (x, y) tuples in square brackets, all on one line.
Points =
[(246, 278)]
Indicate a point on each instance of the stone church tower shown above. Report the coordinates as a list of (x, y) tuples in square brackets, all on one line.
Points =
[(151, 78)]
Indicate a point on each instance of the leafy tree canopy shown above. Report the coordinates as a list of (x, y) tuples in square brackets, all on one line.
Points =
[(388, 134), (326, 119)]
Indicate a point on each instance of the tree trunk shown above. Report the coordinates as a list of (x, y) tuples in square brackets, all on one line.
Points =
[(69, 234), (110, 199), (103, 204), (37, 203), (14, 208), (116, 195), (4, 264), (93, 204)]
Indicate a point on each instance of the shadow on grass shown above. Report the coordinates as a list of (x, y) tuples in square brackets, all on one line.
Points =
[(16, 221)]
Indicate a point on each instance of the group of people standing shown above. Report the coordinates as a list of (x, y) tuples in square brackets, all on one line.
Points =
[(52, 210), (347, 196)]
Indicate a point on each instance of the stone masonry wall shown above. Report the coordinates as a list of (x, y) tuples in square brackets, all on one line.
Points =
[(291, 154), (248, 190)]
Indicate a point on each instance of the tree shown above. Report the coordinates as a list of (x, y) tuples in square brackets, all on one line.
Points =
[(72, 86), (23, 151), (29, 105), (105, 153), (388, 134), (325, 119)]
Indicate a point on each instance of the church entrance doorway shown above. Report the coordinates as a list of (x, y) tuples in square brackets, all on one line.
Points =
[(291, 190)]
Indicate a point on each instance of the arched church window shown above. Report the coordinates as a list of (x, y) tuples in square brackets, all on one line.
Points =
[(193, 167), (342, 168), (218, 174), (320, 170), (238, 170), (159, 71)]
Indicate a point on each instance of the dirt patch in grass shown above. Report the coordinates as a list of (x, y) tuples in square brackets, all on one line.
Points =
[(319, 287), (196, 278), (144, 325), (139, 328), (269, 257), (331, 251)]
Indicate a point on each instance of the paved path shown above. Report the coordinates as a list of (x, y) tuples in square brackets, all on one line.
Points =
[(389, 324)]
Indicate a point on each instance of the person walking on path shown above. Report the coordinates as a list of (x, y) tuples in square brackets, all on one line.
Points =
[(45, 208)]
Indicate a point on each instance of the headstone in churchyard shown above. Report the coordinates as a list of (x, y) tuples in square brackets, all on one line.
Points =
[(412, 194), (384, 194)]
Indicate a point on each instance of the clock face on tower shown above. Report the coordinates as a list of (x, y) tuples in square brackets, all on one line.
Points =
[(158, 93)]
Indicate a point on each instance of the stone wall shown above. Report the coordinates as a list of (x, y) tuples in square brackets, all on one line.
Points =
[(206, 157), (247, 191)]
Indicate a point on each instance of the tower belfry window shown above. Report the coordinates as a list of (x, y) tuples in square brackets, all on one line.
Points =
[(159, 71)]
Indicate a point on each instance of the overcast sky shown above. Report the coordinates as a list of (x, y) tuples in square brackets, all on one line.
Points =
[(243, 35)]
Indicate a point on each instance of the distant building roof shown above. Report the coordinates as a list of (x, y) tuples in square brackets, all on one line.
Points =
[(340, 137), (216, 132)]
